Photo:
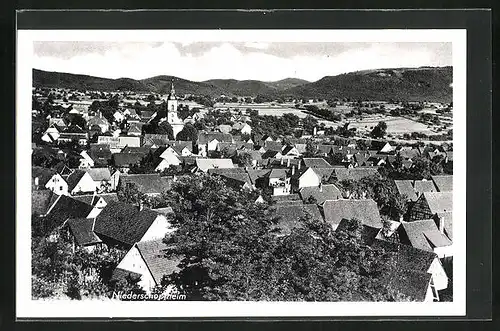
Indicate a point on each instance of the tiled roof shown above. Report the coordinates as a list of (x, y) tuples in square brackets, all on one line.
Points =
[(66, 207), (439, 202), (354, 173), (43, 174), (155, 139), (323, 173), (120, 273), (316, 163), (153, 254), (448, 223), (41, 201), (422, 186), (325, 192), (443, 183), (127, 159), (278, 173), (273, 146), (365, 210), (81, 228), (100, 153), (205, 137), (147, 183), (404, 187), (411, 284), (123, 222), (424, 234), (256, 174), (99, 174), (205, 164), (74, 178)]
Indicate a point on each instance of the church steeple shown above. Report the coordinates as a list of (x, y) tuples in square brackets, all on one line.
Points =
[(171, 96)]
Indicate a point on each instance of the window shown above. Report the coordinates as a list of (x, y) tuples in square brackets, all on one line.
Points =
[(60, 188)]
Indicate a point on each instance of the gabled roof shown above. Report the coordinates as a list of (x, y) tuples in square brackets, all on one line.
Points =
[(147, 183), (155, 139), (290, 216), (316, 162), (273, 146), (439, 202), (322, 193), (354, 173), (123, 222), (323, 173), (43, 174), (205, 164), (278, 173), (96, 120), (153, 254), (448, 223), (237, 179), (424, 186), (409, 153), (205, 137), (258, 174), (92, 199), (425, 235), (443, 183), (126, 159), (404, 187), (365, 210), (99, 174), (41, 201), (271, 154), (81, 228), (412, 284), (66, 207), (100, 153), (141, 150), (74, 178)]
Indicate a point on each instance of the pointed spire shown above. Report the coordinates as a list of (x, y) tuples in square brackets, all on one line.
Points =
[(172, 89)]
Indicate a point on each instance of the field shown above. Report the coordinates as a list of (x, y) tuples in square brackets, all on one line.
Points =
[(395, 125)]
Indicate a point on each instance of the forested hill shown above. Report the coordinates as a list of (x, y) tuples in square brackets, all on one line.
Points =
[(411, 84)]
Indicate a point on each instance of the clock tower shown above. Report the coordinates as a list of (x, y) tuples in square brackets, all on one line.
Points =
[(172, 118)]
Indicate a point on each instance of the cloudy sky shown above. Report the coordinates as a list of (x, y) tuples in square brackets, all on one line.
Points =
[(238, 60)]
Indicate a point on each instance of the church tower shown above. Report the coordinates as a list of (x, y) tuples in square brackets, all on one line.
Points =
[(172, 118)]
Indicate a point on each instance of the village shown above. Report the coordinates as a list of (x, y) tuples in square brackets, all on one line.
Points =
[(111, 170)]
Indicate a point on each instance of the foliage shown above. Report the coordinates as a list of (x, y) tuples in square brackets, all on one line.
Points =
[(231, 251), (380, 130), (130, 194), (188, 133), (309, 123), (243, 159)]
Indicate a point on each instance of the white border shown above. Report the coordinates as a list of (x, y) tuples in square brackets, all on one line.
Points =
[(27, 308)]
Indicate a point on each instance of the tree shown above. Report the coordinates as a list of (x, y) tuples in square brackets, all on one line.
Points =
[(380, 130), (231, 251), (188, 133), (309, 123), (243, 159), (165, 128)]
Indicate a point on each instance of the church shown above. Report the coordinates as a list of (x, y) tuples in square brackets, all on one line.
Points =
[(172, 117)]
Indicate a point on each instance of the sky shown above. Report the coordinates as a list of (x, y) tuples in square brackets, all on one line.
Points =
[(199, 61)]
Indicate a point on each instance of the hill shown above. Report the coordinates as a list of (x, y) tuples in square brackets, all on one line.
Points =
[(410, 84), (255, 87)]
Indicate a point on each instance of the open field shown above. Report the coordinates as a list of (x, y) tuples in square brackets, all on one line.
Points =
[(395, 125)]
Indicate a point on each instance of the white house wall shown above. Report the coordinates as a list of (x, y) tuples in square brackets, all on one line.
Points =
[(134, 262), (86, 184), (158, 229), (438, 274)]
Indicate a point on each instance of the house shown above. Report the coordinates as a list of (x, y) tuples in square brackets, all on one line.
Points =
[(205, 164), (79, 181), (100, 155), (80, 137), (111, 142), (124, 161), (118, 116), (421, 186), (274, 146), (155, 140), (135, 129), (259, 177), (147, 115), (416, 273), (430, 204), (52, 134), (167, 159), (101, 178), (224, 128), (65, 207), (279, 181), (42, 201), (368, 233), (405, 188), (387, 148), (149, 184), (82, 233), (365, 210), (292, 216), (316, 162), (425, 235), (146, 260), (207, 141), (85, 161), (306, 178), (130, 141), (443, 183), (290, 152), (122, 225), (40, 177), (100, 121), (242, 128), (97, 201), (57, 184), (238, 180), (320, 193), (444, 222)]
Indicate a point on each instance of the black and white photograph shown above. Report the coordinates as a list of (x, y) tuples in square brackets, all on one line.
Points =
[(269, 172)]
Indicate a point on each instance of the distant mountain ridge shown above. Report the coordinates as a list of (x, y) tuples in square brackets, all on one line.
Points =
[(410, 84)]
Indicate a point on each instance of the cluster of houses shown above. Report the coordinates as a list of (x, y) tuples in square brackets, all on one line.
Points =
[(84, 202)]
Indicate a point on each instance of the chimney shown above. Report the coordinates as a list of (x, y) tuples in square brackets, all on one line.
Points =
[(288, 163), (37, 180), (281, 161), (315, 130), (321, 187), (293, 170), (298, 166)]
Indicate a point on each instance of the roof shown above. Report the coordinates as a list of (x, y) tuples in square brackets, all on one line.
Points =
[(316, 162), (205, 164), (41, 201), (286, 197), (258, 174), (443, 183), (81, 228), (404, 187), (127, 159), (92, 199), (153, 254), (424, 234), (97, 121), (273, 146), (66, 207), (424, 186), (409, 153), (74, 178), (205, 137), (100, 153), (365, 210), (155, 139), (354, 173), (124, 222), (411, 284), (120, 273), (237, 179), (224, 128), (278, 173), (147, 183), (290, 216), (323, 173), (448, 223), (439, 202), (325, 192), (99, 174)]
